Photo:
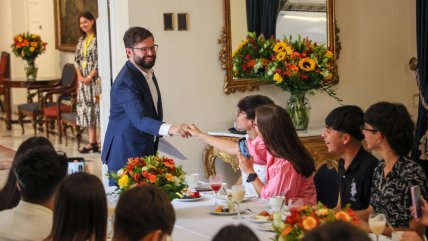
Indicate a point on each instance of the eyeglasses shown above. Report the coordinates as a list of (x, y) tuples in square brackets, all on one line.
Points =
[(18, 179), (153, 48), (363, 128)]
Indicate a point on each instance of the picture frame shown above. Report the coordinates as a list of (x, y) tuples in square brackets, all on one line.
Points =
[(168, 21), (66, 14), (182, 19)]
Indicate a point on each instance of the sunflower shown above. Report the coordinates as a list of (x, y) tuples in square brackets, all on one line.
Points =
[(307, 64), (280, 56), (279, 47), (277, 78)]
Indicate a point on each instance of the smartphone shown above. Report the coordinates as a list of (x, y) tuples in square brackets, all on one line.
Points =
[(243, 148), (416, 201), (75, 164)]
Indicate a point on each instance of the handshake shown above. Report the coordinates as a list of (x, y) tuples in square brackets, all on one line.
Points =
[(184, 130)]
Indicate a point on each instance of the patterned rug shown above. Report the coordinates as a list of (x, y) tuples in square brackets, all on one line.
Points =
[(6, 155)]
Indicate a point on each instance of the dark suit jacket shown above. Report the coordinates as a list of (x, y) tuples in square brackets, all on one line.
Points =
[(133, 121)]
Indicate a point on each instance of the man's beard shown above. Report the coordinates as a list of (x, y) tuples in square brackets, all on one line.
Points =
[(145, 64)]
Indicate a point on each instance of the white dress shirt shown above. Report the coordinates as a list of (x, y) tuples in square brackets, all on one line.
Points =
[(27, 221)]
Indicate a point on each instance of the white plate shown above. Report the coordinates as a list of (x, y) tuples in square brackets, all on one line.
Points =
[(266, 227), (223, 198), (225, 213), (188, 199), (258, 220)]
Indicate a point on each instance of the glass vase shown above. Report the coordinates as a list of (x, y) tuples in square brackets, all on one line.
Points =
[(31, 70), (298, 108)]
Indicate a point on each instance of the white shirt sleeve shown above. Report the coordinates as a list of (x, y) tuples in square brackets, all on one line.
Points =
[(164, 129)]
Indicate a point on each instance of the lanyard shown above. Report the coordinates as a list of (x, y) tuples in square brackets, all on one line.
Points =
[(86, 44)]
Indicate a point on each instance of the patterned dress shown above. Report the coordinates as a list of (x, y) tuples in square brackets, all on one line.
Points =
[(87, 106)]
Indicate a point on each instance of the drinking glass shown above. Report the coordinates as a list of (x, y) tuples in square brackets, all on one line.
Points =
[(295, 203), (215, 182), (377, 222), (111, 206), (238, 193)]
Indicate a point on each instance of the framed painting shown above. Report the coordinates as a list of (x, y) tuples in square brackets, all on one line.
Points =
[(67, 12)]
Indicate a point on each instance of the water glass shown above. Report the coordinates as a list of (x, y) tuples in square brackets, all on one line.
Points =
[(238, 193)]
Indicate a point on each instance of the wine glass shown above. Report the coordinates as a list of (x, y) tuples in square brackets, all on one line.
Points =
[(294, 204), (238, 193), (377, 222), (215, 185)]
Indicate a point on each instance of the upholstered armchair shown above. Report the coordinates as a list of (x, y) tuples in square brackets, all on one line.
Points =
[(35, 110)]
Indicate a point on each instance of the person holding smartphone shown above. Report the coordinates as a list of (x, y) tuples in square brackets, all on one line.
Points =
[(389, 131), (414, 236), (256, 149)]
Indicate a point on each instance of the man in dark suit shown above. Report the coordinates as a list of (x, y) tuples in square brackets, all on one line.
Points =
[(135, 122)]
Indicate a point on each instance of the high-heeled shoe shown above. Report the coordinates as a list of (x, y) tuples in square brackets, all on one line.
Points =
[(93, 148)]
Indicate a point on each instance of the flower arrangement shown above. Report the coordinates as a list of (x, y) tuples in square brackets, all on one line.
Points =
[(306, 218), (152, 170), (302, 65), (28, 46), (252, 57)]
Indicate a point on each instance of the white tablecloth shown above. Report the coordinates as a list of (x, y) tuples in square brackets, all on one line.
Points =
[(194, 221)]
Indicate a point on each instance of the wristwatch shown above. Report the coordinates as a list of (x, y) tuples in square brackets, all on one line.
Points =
[(252, 177)]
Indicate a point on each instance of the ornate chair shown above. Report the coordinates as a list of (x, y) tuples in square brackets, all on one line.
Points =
[(66, 93), (35, 109), (4, 72), (326, 183)]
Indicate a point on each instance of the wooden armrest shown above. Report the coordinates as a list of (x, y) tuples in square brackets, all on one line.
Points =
[(43, 84)]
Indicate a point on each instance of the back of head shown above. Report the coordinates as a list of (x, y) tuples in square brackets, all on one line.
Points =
[(249, 104), (38, 172), (80, 210), (135, 35), (281, 139), (336, 231), (10, 195), (348, 119), (232, 233), (142, 210), (395, 124)]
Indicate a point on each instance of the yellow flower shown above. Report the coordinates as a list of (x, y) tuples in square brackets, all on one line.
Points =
[(22, 53), (307, 64), (322, 212), (31, 49), (19, 39), (289, 50), (329, 54), (123, 181), (277, 78), (279, 47), (309, 223), (34, 44), (280, 56)]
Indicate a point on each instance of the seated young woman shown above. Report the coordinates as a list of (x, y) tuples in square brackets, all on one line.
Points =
[(389, 131), (290, 167)]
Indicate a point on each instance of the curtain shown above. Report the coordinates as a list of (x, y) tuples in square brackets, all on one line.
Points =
[(261, 16), (422, 55)]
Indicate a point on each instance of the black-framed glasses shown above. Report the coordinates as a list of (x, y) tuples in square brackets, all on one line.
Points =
[(363, 128), (153, 48)]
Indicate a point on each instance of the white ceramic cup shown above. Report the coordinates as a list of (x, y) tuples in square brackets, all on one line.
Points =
[(396, 235), (192, 180), (276, 202)]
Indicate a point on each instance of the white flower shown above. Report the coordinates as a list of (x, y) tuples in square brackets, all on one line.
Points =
[(120, 172), (145, 168), (176, 180)]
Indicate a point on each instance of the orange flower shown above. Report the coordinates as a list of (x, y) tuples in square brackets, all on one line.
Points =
[(309, 223), (286, 230), (341, 215), (169, 177), (152, 178)]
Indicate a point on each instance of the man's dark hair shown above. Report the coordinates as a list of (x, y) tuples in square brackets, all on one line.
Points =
[(141, 210), (395, 124), (336, 231), (235, 232), (249, 104), (38, 172), (135, 35), (348, 119)]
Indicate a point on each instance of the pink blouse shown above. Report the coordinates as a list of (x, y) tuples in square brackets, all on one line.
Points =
[(257, 150), (283, 179)]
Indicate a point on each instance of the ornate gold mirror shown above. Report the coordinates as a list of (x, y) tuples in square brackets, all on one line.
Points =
[(235, 31)]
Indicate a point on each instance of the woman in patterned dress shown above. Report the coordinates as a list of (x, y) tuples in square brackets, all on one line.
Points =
[(86, 63), (389, 131)]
